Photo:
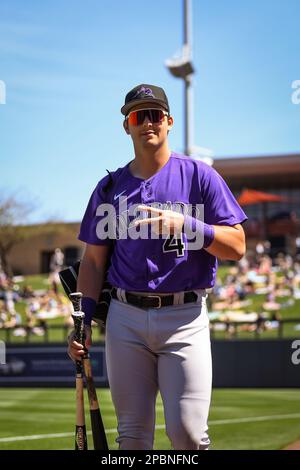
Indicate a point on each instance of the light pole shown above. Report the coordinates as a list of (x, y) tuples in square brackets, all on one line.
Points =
[(188, 79), (182, 67)]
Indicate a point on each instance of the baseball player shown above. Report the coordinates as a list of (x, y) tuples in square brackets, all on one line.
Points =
[(174, 216)]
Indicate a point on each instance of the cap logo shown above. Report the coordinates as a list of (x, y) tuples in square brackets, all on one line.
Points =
[(144, 93)]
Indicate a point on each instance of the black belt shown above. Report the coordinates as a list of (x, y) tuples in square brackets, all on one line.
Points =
[(154, 301)]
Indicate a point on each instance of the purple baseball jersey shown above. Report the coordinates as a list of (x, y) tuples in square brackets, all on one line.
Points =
[(163, 265)]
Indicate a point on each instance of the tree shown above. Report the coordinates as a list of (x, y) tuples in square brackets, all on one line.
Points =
[(14, 227), (13, 217)]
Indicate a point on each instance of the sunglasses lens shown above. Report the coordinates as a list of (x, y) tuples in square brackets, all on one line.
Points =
[(136, 118), (141, 116), (132, 118), (155, 115)]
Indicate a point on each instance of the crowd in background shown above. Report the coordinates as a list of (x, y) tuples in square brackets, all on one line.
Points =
[(230, 303), (257, 274), (39, 305)]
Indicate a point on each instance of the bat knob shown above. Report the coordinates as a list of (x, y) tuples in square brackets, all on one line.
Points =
[(75, 298)]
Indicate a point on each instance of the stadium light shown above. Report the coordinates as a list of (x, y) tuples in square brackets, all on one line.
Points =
[(181, 66)]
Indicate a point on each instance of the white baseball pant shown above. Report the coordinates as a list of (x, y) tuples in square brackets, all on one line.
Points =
[(166, 350)]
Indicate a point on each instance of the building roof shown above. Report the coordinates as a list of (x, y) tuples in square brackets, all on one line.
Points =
[(273, 164), (262, 172)]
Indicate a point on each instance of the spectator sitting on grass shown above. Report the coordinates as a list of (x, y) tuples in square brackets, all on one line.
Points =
[(274, 321), (26, 292), (13, 320), (34, 325)]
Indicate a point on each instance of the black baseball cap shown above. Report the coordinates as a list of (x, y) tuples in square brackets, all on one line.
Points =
[(145, 94)]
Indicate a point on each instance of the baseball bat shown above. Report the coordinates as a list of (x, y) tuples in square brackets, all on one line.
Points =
[(98, 432), (80, 428)]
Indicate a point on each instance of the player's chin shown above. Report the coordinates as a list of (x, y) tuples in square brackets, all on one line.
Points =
[(150, 144), (148, 137), (150, 141)]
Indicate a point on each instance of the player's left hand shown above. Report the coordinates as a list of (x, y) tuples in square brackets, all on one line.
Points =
[(163, 221), (77, 350)]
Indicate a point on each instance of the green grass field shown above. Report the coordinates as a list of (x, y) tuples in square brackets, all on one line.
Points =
[(239, 419)]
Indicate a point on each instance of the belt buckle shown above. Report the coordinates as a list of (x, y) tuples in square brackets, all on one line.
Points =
[(155, 297)]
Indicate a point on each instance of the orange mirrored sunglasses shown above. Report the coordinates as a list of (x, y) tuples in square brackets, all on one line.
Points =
[(136, 118)]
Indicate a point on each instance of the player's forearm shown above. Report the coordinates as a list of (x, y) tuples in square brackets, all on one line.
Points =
[(90, 281), (228, 243), (224, 242), (90, 278)]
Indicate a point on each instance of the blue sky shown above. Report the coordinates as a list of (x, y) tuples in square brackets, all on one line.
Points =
[(68, 64)]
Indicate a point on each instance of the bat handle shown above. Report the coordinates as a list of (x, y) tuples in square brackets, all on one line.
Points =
[(78, 319), (76, 298), (78, 316)]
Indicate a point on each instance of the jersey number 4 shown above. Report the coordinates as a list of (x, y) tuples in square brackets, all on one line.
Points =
[(174, 243)]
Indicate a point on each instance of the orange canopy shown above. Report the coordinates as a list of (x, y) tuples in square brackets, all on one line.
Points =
[(250, 196)]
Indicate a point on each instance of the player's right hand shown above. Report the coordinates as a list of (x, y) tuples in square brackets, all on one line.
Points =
[(77, 350)]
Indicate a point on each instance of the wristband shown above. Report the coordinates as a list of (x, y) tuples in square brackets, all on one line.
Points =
[(197, 226), (88, 307)]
